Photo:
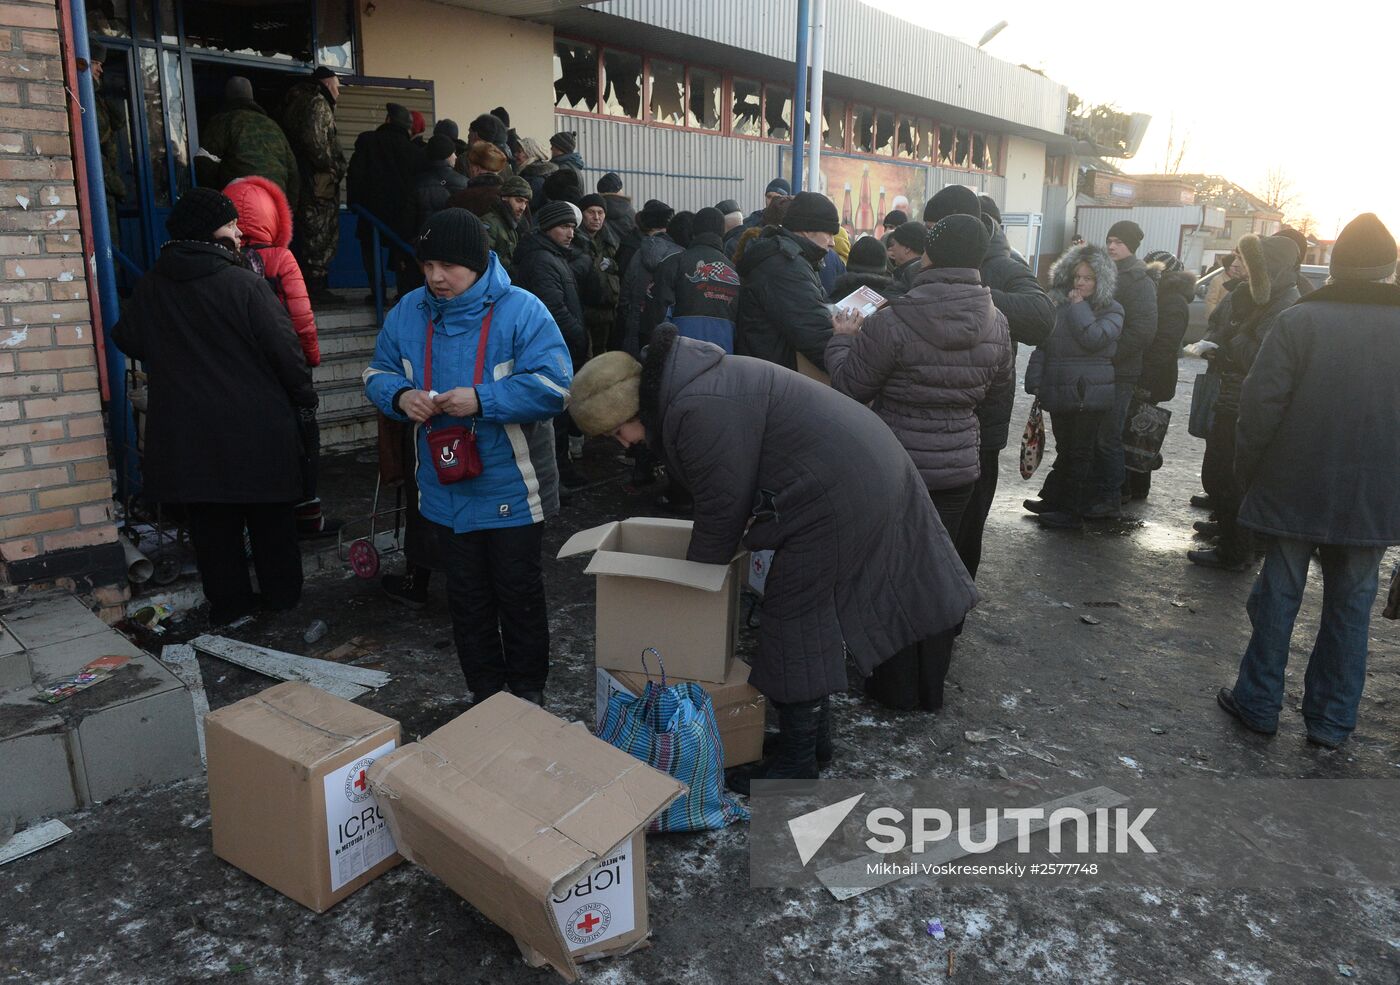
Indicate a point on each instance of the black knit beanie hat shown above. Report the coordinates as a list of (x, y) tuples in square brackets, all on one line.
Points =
[(558, 214), (565, 140), (812, 212), (454, 236), (1127, 232), (953, 200), (709, 220), (610, 183), (440, 147), (957, 241), (1365, 250), (399, 115), (895, 218), (911, 236), (655, 215), (594, 201), (681, 228), (989, 207), (198, 213), (867, 256), (563, 186), (447, 127)]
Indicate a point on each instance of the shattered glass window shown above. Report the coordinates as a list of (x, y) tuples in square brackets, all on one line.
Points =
[(575, 76)]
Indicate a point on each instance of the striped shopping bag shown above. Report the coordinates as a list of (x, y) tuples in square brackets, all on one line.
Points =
[(672, 728)]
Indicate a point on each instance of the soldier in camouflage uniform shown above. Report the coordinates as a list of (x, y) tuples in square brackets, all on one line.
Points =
[(110, 124), (505, 220), (246, 141), (308, 119)]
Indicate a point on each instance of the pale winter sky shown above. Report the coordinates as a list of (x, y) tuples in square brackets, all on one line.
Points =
[(1311, 88)]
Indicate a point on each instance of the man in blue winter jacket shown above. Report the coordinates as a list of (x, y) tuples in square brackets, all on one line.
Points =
[(498, 367)]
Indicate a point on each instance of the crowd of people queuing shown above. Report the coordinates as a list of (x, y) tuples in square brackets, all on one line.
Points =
[(537, 308)]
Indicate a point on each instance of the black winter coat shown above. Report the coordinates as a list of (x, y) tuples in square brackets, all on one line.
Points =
[(1316, 445), (782, 307), (1072, 370), (382, 176), (1029, 314), (881, 284), (641, 266), (545, 269), (622, 217), (860, 555), (697, 290), (226, 377), (1138, 296), (434, 187), (1175, 292)]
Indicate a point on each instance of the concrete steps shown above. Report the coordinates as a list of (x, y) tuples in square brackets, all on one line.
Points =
[(347, 334)]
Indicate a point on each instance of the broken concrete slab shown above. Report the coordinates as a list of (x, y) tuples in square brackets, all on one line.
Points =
[(182, 662), (51, 619), (32, 839)]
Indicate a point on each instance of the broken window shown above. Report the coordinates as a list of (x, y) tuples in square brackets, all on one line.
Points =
[(748, 106), (777, 112), (622, 84), (927, 145), (575, 76), (884, 133), (962, 149), (705, 90), (945, 146), (905, 138), (834, 124), (667, 93), (863, 128)]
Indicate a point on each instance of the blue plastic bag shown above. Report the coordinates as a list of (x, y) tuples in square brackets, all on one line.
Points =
[(672, 728)]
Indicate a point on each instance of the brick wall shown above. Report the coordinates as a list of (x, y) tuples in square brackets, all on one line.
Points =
[(55, 489)]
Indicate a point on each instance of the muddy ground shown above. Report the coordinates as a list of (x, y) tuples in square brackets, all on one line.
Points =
[(136, 896)]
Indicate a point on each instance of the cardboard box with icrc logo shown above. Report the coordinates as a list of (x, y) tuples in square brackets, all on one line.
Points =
[(289, 796), (649, 595), (535, 822)]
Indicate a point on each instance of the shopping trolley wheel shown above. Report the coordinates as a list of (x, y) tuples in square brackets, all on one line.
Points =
[(364, 559)]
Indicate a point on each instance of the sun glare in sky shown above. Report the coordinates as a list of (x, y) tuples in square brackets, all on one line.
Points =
[(1251, 87)]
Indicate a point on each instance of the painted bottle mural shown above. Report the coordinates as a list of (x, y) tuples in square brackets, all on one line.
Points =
[(846, 218), (880, 209), (865, 215)]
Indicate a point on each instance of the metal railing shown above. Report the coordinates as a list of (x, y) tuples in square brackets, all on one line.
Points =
[(378, 229)]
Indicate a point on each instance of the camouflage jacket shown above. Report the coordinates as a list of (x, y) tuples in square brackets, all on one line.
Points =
[(308, 119), (504, 235), (246, 141)]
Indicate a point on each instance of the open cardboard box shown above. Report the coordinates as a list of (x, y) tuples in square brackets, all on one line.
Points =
[(530, 819), (649, 595), (739, 707), (289, 802)]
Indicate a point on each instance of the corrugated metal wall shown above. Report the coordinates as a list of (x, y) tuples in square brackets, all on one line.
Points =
[(1161, 225), (686, 170), (691, 170), (1055, 232), (868, 45)]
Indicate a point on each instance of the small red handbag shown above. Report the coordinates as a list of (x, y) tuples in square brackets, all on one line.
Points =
[(453, 447)]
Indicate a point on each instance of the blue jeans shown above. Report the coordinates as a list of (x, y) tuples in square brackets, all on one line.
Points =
[(1337, 667), (1109, 471)]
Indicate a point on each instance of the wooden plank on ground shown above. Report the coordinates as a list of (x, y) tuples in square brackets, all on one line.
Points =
[(184, 664), (282, 666), (31, 839), (849, 879)]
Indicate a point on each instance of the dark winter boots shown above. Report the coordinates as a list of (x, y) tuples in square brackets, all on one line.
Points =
[(795, 758)]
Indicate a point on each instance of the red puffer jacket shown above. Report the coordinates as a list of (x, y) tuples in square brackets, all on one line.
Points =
[(265, 219)]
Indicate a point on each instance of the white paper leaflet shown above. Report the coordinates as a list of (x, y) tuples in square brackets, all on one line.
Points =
[(599, 907), (357, 835)]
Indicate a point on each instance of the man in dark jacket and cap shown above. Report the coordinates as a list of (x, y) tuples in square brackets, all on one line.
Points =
[(906, 250), (867, 265), (563, 152), (638, 261), (1138, 295), (227, 382), (782, 307), (697, 290), (245, 141), (383, 171), (777, 188), (1176, 289), (545, 266), (438, 179), (622, 217), (1030, 316), (1320, 459), (488, 127)]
